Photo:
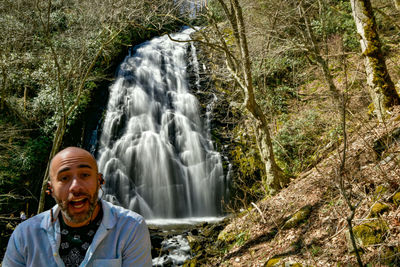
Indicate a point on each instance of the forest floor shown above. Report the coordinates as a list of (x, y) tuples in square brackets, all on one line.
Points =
[(262, 237)]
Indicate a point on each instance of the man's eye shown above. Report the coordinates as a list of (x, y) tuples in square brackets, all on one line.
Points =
[(63, 178), (84, 175)]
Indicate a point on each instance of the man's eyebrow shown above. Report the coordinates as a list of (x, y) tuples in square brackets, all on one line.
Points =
[(85, 166), (63, 170), (79, 166)]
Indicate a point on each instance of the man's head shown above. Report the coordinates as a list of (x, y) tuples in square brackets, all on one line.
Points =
[(75, 183)]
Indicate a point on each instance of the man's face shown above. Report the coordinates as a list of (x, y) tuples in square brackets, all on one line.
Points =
[(75, 184)]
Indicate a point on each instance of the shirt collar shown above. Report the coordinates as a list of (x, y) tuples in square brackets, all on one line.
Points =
[(109, 218)]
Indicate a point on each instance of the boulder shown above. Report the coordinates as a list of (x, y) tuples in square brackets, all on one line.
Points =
[(378, 209), (298, 218), (368, 234)]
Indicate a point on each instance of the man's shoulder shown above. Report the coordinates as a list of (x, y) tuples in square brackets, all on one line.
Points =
[(33, 223), (123, 214)]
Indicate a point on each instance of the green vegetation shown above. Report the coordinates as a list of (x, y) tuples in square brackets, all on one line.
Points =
[(55, 57), (370, 233)]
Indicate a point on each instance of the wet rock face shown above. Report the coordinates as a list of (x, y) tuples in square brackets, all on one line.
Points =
[(191, 246), (174, 252), (204, 243), (169, 247)]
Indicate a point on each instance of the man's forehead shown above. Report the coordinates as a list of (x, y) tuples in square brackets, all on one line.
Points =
[(72, 157)]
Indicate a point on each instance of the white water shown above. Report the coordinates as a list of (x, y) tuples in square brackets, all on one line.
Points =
[(155, 150)]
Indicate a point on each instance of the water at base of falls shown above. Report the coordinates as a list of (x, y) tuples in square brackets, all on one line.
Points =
[(176, 251), (155, 149)]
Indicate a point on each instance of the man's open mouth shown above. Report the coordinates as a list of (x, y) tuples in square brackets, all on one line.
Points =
[(78, 203)]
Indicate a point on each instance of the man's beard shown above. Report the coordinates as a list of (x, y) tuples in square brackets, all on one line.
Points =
[(79, 218)]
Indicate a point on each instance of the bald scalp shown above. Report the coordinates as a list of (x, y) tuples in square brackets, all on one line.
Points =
[(71, 152)]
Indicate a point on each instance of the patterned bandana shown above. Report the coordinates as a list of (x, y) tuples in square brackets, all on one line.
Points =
[(76, 241)]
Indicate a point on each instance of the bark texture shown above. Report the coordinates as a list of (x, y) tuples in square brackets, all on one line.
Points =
[(397, 4), (381, 86)]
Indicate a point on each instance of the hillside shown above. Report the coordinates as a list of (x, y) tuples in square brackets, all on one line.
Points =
[(265, 237)]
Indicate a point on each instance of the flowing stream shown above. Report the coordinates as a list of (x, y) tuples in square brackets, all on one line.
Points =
[(155, 149)]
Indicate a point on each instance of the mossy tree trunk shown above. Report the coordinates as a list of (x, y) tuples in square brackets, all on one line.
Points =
[(381, 86), (397, 4), (240, 69)]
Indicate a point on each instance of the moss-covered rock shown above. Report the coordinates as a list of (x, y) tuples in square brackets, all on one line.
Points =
[(277, 262), (190, 263), (378, 209), (369, 233), (298, 218), (273, 262), (227, 236), (396, 199), (204, 243)]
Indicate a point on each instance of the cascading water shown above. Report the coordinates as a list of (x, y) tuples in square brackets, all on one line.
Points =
[(155, 151)]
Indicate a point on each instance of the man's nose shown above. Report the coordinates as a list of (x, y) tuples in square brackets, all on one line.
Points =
[(76, 185)]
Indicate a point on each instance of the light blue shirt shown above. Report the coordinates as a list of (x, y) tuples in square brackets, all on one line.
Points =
[(122, 240)]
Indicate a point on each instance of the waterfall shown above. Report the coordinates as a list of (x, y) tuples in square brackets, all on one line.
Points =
[(155, 150)]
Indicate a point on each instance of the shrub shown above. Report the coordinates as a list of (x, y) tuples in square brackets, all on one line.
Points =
[(295, 143)]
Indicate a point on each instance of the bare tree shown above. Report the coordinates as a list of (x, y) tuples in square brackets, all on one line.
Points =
[(239, 66), (381, 86), (342, 170), (312, 46)]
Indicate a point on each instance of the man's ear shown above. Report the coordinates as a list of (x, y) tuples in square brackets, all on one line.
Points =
[(101, 179), (49, 190)]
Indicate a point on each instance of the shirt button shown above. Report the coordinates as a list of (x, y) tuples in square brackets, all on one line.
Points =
[(55, 254)]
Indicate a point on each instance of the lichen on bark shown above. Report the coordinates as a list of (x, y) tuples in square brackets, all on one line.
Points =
[(382, 88)]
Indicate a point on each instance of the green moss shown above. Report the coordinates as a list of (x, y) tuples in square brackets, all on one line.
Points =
[(298, 218), (370, 233), (272, 262), (380, 189), (190, 263), (390, 256), (396, 199), (227, 237), (378, 209), (373, 51)]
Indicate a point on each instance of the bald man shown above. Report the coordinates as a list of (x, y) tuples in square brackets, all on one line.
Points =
[(80, 230)]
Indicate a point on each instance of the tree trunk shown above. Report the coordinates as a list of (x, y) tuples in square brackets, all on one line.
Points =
[(3, 89), (25, 97), (57, 141), (382, 89), (274, 178)]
